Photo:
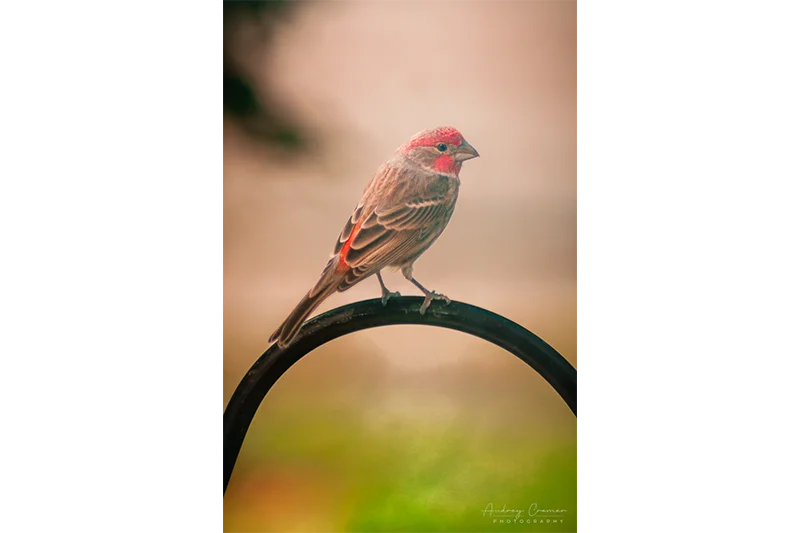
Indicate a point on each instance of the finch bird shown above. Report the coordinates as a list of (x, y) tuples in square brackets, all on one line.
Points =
[(404, 208)]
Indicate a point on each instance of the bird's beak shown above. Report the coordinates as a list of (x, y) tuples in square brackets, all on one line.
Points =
[(465, 151)]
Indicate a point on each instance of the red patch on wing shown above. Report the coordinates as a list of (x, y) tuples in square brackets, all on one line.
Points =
[(444, 163), (447, 135), (343, 253)]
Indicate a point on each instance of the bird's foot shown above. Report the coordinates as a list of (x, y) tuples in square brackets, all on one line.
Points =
[(386, 294), (429, 297)]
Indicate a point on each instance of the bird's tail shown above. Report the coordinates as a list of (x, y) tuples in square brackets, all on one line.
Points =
[(328, 284)]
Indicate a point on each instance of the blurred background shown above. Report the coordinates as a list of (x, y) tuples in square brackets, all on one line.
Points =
[(401, 428)]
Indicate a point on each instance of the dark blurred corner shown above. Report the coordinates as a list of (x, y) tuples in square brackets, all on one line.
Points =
[(248, 29)]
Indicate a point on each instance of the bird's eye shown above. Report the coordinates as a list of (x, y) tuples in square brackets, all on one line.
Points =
[(441, 147)]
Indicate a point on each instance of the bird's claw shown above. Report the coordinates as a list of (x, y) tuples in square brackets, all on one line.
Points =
[(429, 298), (386, 295)]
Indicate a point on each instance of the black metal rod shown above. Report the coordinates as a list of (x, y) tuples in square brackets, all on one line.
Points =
[(367, 314)]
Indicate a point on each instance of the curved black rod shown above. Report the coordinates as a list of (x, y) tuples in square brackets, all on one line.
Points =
[(370, 314)]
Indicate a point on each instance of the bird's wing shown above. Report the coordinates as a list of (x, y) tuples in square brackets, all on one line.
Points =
[(370, 241)]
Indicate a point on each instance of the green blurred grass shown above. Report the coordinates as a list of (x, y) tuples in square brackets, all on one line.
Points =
[(346, 441)]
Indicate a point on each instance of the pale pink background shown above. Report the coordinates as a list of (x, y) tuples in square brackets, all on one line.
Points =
[(504, 74)]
